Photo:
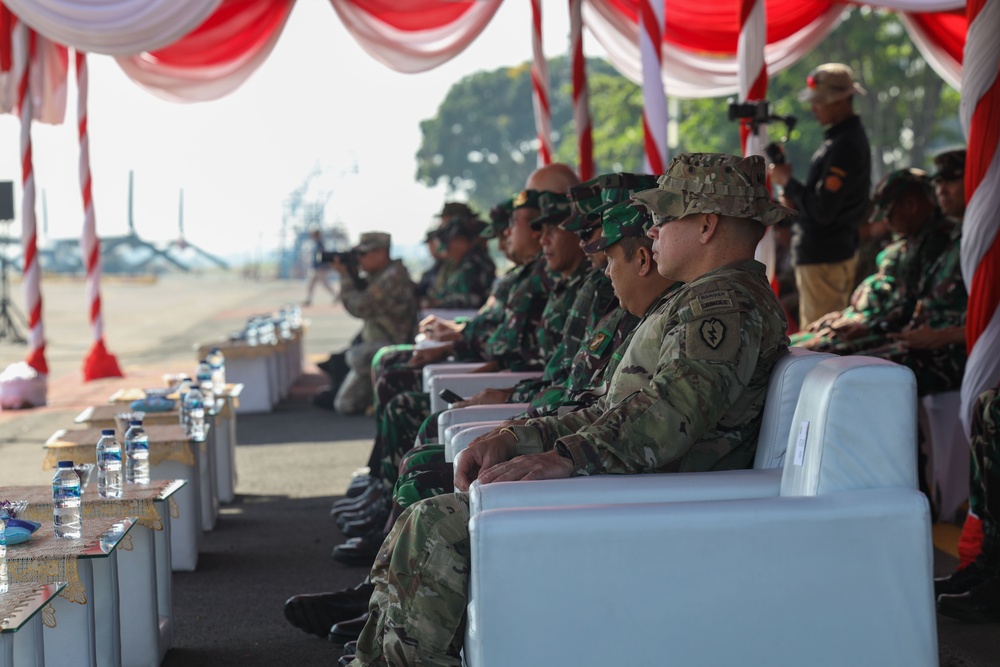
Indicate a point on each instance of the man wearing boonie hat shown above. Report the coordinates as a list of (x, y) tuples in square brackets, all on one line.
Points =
[(687, 395), (883, 302), (385, 300), (832, 202), (468, 272), (949, 183)]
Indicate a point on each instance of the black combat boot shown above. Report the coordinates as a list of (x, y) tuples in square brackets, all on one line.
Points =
[(980, 602), (986, 565)]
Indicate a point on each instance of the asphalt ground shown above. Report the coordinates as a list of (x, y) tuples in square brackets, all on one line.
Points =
[(275, 540)]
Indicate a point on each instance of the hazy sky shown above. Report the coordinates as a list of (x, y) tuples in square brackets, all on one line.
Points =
[(319, 99)]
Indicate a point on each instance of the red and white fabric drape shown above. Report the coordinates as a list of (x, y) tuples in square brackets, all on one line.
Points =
[(980, 111), (654, 97)]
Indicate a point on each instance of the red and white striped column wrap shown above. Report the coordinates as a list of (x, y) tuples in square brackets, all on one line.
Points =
[(98, 363), (540, 87), (24, 49), (752, 74), (581, 95), (654, 97), (979, 111), (752, 81)]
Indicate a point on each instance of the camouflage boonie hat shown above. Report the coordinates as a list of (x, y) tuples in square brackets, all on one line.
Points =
[(468, 228), (526, 199), (895, 184), (621, 220), (499, 219), (616, 188), (950, 165), (713, 183), (585, 197), (373, 240), (555, 208), (456, 209), (830, 83)]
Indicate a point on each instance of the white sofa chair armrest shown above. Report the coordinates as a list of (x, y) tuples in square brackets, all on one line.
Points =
[(477, 413), (625, 489), (468, 384), (840, 579), (430, 370)]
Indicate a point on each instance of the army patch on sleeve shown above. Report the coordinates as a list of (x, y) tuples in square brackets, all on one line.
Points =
[(714, 300), (598, 340), (713, 338)]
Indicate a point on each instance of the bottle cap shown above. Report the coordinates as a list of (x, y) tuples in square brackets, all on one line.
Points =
[(65, 464), (107, 431), (135, 422)]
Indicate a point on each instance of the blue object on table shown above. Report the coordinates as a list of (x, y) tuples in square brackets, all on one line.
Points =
[(155, 404), (19, 530)]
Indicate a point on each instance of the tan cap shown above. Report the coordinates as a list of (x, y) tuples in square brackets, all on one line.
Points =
[(830, 83)]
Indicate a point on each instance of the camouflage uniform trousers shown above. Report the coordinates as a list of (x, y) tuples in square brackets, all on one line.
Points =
[(984, 497), (355, 394), (421, 578), (396, 430)]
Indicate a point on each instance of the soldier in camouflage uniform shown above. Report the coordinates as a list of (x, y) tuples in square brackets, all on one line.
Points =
[(932, 342), (688, 395), (470, 272), (425, 474), (385, 300), (972, 593), (883, 303)]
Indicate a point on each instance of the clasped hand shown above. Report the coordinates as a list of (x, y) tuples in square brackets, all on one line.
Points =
[(490, 458)]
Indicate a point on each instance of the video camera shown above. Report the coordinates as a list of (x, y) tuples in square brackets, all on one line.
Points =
[(759, 113), (348, 258)]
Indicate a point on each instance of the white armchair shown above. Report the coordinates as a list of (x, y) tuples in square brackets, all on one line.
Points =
[(832, 567), (783, 391)]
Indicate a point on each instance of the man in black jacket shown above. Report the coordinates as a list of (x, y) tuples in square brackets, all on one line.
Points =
[(833, 201)]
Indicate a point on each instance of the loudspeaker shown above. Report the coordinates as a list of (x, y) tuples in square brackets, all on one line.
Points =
[(6, 200)]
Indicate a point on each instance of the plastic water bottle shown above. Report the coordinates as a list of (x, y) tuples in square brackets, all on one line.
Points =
[(137, 454), (194, 405), (109, 465), (204, 382), (3, 538), (182, 391), (66, 521), (251, 333), (217, 362)]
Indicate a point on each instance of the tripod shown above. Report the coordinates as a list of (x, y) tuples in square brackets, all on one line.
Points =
[(8, 313)]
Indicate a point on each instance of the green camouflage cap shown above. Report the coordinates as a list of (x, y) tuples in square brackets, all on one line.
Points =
[(620, 221), (373, 240), (555, 208), (585, 197), (526, 199), (616, 188), (713, 183), (499, 219), (950, 165), (894, 185)]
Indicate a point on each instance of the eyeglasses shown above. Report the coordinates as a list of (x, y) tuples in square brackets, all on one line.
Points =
[(586, 235)]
